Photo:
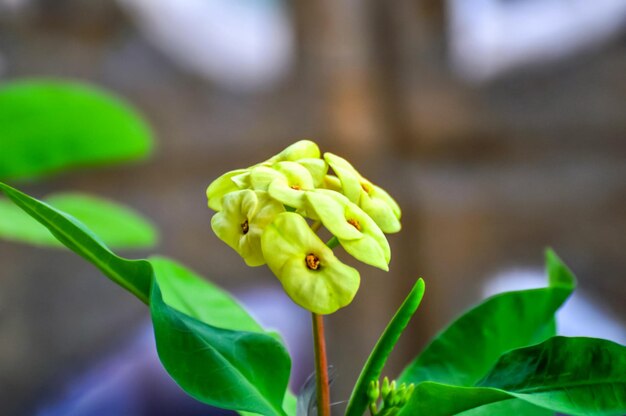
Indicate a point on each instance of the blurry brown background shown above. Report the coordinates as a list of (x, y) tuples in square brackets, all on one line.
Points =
[(488, 171)]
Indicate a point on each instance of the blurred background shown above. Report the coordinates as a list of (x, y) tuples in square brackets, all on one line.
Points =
[(498, 125)]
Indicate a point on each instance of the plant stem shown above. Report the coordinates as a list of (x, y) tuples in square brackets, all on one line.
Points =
[(321, 366)]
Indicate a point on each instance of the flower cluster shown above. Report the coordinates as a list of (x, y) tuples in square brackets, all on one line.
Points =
[(269, 213), (392, 397)]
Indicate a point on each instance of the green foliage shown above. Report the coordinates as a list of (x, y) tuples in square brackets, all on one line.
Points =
[(471, 345), (116, 225), (49, 126), (212, 348), (225, 368), (133, 275), (501, 358), (575, 376), (377, 359)]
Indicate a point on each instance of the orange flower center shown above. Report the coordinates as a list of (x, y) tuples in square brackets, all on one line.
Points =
[(312, 261), (354, 223)]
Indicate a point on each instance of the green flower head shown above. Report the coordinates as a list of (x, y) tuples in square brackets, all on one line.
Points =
[(357, 233), (305, 152), (308, 270), (244, 216), (261, 215), (377, 203)]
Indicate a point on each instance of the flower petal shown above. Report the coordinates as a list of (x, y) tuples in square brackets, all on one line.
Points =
[(347, 174), (262, 176), (357, 233), (220, 187), (299, 150), (380, 193), (317, 168), (330, 209), (241, 222), (381, 212), (286, 244), (291, 186)]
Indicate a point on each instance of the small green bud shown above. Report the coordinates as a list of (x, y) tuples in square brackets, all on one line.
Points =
[(308, 270), (385, 388), (373, 391), (407, 394)]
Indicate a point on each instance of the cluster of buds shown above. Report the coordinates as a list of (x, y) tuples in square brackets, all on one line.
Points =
[(269, 213), (388, 399)]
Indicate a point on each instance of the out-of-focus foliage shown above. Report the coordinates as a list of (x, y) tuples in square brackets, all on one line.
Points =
[(116, 225), (49, 126)]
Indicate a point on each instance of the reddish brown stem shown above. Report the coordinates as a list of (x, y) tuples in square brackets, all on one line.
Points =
[(321, 366)]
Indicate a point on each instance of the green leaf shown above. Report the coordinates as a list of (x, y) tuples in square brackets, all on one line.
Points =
[(235, 366), (513, 407), (377, 359), (133, 275), (118, 226), (575, 376), (198, 298), (48, 126), (289, 406), (470, 346), (229, 369)]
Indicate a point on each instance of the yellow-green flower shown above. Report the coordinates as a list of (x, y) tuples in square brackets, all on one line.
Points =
[(222, 186), (305, 152), (244, 216), (308, 270), (289, 187), (377, 203), (303, 149), (357, 233)]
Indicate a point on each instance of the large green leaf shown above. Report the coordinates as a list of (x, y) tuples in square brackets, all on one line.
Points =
[(471, 345), (229, 369), (206, 341), (47, 126), (575, 376), (198, 298), (512, 407), (118, 226), (377, 359), (133, 275)]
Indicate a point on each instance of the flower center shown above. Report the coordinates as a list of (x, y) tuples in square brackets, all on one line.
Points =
[(312, 261), (366, 187), (295, 187), (354, 223), (245, 227)]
